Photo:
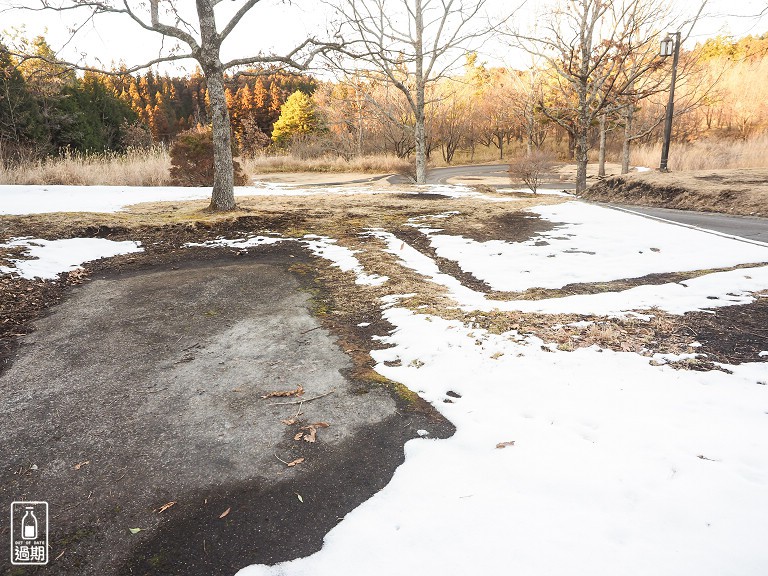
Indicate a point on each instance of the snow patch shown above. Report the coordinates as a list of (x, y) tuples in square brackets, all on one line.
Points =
[(592, 244), (326, 248), (709, 291), (49, 258), (48, 199), (616, 467)]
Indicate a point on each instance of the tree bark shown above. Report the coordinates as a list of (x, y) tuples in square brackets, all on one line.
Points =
[(223, 195), (601, 157), (625, 148), (582, 159), (419, 132)]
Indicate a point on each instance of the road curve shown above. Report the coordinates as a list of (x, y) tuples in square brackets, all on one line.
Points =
[(749, 228)]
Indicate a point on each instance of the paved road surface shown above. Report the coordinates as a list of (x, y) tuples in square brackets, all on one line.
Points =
[(442, 175), (750, 228)]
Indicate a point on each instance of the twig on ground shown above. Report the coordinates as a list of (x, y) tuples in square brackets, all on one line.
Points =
[(281, 460), (304, 400)]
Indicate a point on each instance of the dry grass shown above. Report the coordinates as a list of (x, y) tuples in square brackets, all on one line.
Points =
[(736, 191), (707, 154), (134, 168), (381, 164), (164, 227)]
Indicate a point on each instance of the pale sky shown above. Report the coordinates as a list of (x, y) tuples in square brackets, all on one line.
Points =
[(275, 25)]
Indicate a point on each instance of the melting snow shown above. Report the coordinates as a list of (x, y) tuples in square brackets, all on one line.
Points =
[(49, 258), (592, 244), (618, 467)]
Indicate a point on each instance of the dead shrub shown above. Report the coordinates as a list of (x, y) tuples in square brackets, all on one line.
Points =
[(532, 168), (192, 160)]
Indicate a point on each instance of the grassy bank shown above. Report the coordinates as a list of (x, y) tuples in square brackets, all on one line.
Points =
[(735, 191)]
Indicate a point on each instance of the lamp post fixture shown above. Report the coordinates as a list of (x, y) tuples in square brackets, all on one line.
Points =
[(669, 46)]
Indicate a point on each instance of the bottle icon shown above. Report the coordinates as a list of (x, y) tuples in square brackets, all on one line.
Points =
[(29, 524)]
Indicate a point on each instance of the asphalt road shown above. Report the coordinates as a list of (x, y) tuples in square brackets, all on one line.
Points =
[(149, 387), (747, 227), (442, 175)]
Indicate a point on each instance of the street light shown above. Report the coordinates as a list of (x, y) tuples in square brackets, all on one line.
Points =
[(669, 46)]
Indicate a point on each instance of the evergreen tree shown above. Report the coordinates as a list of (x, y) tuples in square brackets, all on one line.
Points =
[(298, 118), (91, 117), (21, 127)]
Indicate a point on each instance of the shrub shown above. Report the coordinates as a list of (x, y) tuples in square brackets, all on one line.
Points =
[(532, 168), (192, 160), (252, 139)]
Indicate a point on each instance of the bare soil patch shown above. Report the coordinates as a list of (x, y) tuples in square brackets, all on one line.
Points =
[(736, 191)]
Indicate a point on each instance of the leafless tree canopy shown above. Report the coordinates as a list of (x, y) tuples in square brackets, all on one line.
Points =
[(411, 44)]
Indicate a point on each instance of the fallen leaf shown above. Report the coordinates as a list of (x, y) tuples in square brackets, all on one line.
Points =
[(225, 513), (311, 431), (81, 464), (505, 444), (165, 507), (310, 436), (299, 497), (294, 462), (289, 421), (298, 391), (134, 530)]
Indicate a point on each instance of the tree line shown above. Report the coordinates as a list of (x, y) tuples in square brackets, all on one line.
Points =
[(595, 79), (46, 108)]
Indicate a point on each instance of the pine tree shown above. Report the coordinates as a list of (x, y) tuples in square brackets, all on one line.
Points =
[(298, 118)]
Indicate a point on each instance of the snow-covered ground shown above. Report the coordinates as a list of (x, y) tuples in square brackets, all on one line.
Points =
[(617, 467), (592, 244), (585, 463), (49, 199), (16, 199), (47, 259), (589, 462)]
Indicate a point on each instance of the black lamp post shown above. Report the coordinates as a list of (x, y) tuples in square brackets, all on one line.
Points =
[(669, 46)]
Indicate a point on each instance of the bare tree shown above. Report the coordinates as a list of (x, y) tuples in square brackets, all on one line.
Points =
[(412, 44), (197, 37), (585, 46)]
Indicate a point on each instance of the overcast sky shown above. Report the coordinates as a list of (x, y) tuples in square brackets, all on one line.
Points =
[(274, 25)]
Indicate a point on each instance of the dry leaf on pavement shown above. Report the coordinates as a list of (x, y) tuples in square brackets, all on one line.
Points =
[(165, 507), (225, 513), (311, 431), (298, 391)]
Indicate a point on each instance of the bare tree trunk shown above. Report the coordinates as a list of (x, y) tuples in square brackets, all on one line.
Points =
[(625, 148), (601, 157), (581, 151), (582, 159), (223, 196), (419, 132)]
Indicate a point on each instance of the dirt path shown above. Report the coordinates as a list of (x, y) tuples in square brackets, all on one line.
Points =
[(146, 388)]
